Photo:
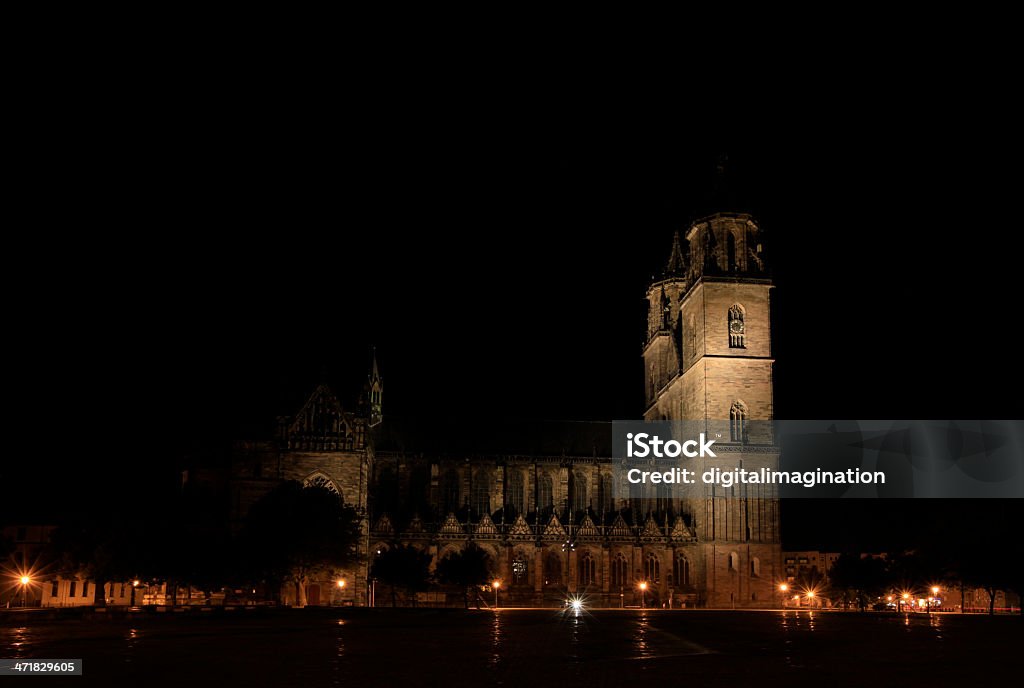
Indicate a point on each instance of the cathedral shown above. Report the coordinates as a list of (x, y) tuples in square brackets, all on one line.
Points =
[(539, 498)]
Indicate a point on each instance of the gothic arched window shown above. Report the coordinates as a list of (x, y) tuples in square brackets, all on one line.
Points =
[(652, 568), (588, 569), (737, 327), (520, 570), (514, 491), (579, 492), (620, 571), (318, 479), (755, 567), (734, 561), (691, 334), (482, 492), (604, 494), (738, 422), (552, 569), (451, 491), (682, 571), (544, 495)]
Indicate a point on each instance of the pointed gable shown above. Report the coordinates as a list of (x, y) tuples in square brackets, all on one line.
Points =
[(520, 529), (451, 526), (486, 526), (680, 533), (651, 531), (321, 424), (587, 527), (554, 529), (619, 528), (384, 526)]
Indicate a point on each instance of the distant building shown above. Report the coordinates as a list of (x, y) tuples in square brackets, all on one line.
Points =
[(798, 565)]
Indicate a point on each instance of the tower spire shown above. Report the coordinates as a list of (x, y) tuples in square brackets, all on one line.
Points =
[(676, 260), (375, 391)]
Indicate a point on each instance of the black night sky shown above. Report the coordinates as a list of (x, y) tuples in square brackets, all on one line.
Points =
[(214, 269)]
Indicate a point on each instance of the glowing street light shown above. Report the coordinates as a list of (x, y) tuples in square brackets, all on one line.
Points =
[(935, 590), (25, 580), (496, 584), (783, 587), (902, 601), (341, 584), (643, 594)]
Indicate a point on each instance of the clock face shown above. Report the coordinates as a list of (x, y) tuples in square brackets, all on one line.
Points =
[(736, 326)]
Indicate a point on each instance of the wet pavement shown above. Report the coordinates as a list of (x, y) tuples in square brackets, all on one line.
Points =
[(524, 647)]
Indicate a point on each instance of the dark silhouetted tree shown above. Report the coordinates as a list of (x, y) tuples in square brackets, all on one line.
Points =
[(295, 530), (93, 549), (858, 578), (402, 566), (467, 568)]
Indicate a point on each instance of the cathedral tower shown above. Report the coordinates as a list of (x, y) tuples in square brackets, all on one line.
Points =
[(708, 359)]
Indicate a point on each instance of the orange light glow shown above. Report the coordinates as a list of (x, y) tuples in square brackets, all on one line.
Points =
[(135, 583), (496, 584), (25, 580), (341, 584), (643, 585), (906, 595), (783, 587), (935, 590), (810, 593)]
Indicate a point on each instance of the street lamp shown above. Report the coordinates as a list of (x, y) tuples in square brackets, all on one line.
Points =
[(25, 580), (810, 596), (135, 584), (643, 594), (496, 584), (899, 605)]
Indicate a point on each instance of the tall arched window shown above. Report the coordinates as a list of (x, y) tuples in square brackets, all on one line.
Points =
[(734, 561), (482, 492), (620, 571), (755, 567), (738, 422), (520, 570), (663, 498), (682, 572), (544, 495), (451, 491), (652, 568), (579, 492), (737, 327), (552, 569), (588, 569), (604, 494), (514, 491), (691, 332)]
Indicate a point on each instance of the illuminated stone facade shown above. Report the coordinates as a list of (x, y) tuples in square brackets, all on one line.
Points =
[(548, 518), (540, 502)]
